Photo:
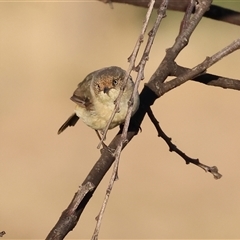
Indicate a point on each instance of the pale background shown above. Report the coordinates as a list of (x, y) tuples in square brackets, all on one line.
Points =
[(47, 48)]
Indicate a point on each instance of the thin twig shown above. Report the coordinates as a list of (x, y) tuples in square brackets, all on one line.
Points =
[(173, 148), (141, 65), (117, 153), (187, 16), (131, 60)]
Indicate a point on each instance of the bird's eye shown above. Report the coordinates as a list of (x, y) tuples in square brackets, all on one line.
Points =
[(114, 82), (98, 87)]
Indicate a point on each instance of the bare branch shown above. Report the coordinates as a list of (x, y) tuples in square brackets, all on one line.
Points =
[(207, 78), (164, 69), (131, 59), (70, 216), (173, 148), (193, 73), (140, 76), (218, 81), (155, 88), (187, 17), (215, 12), (223, 14)]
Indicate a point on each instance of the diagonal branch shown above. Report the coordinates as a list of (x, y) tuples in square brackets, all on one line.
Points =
[(173, 148)]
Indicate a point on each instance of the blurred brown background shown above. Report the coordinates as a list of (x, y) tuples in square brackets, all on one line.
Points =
[(46, 50)]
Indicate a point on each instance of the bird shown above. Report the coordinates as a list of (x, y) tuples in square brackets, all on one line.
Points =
[(96, 96)]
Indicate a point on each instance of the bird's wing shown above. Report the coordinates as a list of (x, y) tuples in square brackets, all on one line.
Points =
[(82, 95), (71, 121)]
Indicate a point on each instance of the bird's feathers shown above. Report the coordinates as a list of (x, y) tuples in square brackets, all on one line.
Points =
[(71, 121)]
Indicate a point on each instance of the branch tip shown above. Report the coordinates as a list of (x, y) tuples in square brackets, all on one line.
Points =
[(2, 233)]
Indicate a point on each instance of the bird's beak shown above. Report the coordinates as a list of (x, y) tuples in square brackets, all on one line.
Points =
[(106, 90), (76, 99)]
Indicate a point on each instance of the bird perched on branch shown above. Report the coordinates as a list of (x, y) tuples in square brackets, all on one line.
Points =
[(96, 97)]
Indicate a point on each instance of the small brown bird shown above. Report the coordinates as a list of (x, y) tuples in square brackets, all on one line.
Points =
[(95, 97)]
